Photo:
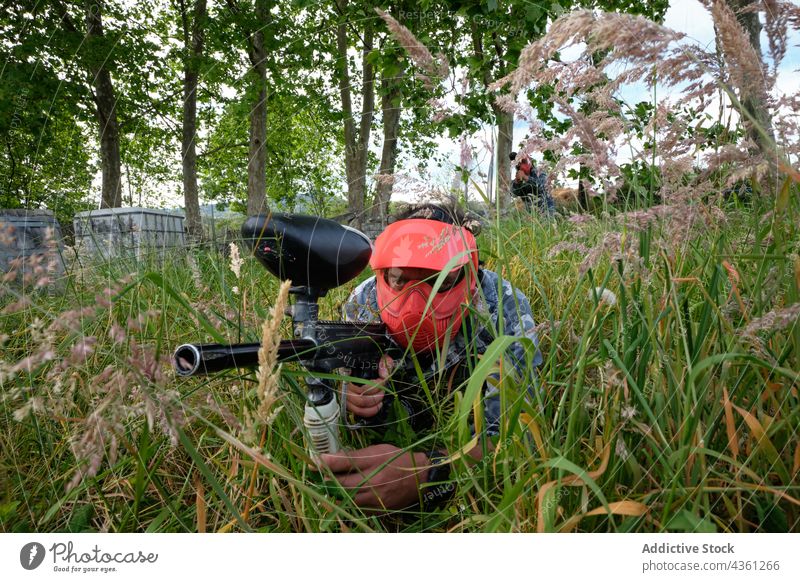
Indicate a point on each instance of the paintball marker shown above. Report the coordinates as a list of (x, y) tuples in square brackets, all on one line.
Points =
[(316, 254)]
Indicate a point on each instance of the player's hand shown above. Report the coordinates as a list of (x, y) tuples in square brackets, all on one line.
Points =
[(365, 400), (381, 476)]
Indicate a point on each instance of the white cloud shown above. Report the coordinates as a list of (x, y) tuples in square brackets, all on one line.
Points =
[(692, 19)]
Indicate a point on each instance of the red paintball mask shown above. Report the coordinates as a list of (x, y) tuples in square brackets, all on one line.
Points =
[(414, 315)]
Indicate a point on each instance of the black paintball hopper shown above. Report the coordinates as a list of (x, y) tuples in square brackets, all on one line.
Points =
[(313, 252)]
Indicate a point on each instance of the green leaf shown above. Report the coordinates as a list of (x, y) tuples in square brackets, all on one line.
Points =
[(487, 365), (79, 522), (687, 521), (533, 13)]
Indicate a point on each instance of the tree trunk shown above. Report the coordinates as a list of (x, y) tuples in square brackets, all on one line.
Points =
[(257, 160), (754, 95), (194, 50), (105, 102), (504, 122), (367, 111), (505, 137), (347, 105), (390, 104), (356, 146)]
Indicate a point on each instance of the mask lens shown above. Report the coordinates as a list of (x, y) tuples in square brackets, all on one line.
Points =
[(449, 282), (398, 281)]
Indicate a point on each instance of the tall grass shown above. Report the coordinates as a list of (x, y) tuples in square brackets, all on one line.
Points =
[(673, 408)]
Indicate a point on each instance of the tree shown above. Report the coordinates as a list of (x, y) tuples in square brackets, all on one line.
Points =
[(45, 150), (76, 50), (495, 33), (96, 54), (407, 90), (391, 109), (302, 153), (356, 139), (253, 21), (504, 120), (193, 34), (257, 160)]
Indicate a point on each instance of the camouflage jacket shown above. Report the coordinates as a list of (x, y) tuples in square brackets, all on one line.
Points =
[(482, 328)]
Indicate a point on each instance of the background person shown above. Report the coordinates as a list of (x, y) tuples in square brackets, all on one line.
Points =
[(530, 184)]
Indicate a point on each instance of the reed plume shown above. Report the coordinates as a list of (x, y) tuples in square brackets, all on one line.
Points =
[(434, 67), (268, 372)]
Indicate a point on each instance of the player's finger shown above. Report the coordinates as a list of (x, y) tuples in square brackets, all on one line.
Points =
[(346, 461), (372, 388), (365, 399), (364, 411), (385, 367)]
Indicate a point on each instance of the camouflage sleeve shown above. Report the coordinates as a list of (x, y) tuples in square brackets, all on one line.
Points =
[(541, 183), (362, 305), (517, 322)]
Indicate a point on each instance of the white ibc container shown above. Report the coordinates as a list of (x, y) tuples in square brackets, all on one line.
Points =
[(132, 232)]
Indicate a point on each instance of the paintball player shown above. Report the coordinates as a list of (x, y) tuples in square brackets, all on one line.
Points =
[(531, 185), (409, 256)]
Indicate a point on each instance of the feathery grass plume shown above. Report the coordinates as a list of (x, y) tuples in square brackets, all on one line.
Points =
[(562, 246), (434, 67), (59, 383), (581, 219), (384, 179), (194, 268), (776, 19), (441, 109), (603, 295), (236, 265), (617, 246), (775, 320), (268, 372), (534, 57), (90, 447), (8, 240), (621, 450), (508, 103), (465, 159), (743, 65), (787, 127), (135, 388), (7, 237), (236, 260)]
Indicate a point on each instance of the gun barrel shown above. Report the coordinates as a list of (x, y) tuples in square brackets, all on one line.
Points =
[(195, 359)]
